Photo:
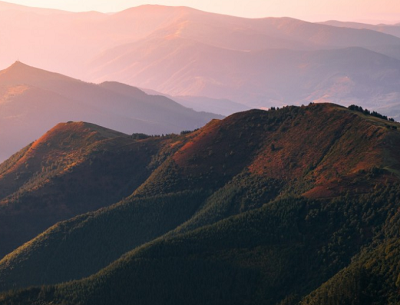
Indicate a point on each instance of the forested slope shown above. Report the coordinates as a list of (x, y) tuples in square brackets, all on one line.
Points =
[(262, 207)]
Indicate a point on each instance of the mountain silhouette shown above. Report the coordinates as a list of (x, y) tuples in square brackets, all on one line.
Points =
[(33, 100), (180, 51)]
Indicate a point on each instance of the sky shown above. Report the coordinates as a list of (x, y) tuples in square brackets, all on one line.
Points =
[(371, 11)]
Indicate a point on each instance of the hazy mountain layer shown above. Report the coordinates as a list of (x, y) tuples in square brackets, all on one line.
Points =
[(383, 28), (202, 103), (261, 78), (183, 51), (34, 100)]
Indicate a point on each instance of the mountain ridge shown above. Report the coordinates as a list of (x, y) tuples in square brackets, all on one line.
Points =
[(220, 32), (219, 180), (47, 180), (33, 100)]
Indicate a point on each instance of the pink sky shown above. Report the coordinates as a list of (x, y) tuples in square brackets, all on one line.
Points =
[(373, 11)]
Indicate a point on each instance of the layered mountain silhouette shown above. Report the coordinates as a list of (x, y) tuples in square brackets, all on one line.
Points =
[(33, 100), (268, 77), (263, 207), (181, 51), (393, 29), (202, 103), (392, 50)]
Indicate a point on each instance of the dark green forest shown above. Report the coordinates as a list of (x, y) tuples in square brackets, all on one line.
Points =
[(291, 206)]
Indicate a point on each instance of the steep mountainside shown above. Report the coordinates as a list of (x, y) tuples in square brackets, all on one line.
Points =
[(262, 207), (33, 100), (72, 169)]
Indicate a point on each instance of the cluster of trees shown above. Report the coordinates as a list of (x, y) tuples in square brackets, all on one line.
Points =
[(142, 136), (367, 112)]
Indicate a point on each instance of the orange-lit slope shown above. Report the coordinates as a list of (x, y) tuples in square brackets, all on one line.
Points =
[(319, 150)]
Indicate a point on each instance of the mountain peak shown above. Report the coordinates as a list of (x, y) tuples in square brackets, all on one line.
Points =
[(83, 130), (22, 71), (17, 65)]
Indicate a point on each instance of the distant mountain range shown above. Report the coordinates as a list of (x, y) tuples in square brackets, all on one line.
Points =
[(33, 100), (181, 51), (383, 28), (206, 104), (298, 205)]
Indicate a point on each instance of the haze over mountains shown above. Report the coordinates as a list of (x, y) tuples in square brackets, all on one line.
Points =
[(180, 51), (161, 204), (298, 205), (392, 29), (33, 100)]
